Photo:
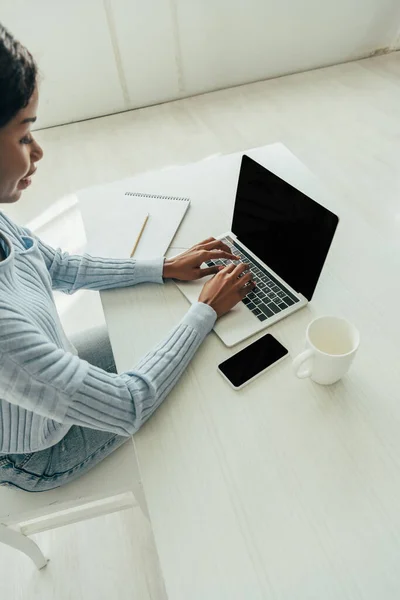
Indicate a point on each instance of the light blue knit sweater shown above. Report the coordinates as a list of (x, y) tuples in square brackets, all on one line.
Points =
[(44, 387)]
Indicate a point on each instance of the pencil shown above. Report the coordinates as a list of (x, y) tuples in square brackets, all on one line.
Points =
[(140, 235)]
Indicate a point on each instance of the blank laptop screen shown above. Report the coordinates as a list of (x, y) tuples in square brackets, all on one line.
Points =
[(286, 229)]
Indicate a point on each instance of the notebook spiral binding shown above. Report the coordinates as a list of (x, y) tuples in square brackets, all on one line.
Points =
[(138, 195)]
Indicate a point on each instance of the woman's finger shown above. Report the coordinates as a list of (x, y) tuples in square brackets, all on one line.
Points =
[(217, 245), (218, 254), (228, 269), (208, 271), (244, 279), (243, 291), (239, 269), (205, 242)]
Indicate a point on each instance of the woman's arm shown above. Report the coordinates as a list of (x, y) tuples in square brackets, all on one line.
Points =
[(40, 377), (70, 272)]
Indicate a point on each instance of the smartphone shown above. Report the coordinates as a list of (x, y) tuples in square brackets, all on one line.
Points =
[(249, 363)]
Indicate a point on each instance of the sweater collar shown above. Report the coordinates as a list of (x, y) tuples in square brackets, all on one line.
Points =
[(8, 250)]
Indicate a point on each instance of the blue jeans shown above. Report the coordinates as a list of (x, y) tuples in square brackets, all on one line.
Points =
[(80, 450)]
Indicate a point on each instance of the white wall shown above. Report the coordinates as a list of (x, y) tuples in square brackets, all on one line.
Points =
[(104, 56)]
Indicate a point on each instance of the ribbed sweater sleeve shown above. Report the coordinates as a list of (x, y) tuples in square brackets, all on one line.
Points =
[(40, 377), (70, 272)]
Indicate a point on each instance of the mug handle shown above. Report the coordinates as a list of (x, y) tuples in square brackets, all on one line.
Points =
[(299, 360)]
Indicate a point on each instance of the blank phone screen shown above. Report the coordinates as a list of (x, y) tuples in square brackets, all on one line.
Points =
[(253, 359)]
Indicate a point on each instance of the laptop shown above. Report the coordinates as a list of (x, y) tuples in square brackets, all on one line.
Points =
[(285, 237)]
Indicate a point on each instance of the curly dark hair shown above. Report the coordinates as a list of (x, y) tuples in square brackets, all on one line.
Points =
[(18, 73)]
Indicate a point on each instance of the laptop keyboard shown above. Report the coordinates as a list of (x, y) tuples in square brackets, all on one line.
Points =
[(269, 297)]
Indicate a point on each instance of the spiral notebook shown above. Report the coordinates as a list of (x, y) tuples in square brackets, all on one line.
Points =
[(112, 233)]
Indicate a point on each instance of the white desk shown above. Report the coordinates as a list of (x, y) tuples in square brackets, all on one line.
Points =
[(285, 490)]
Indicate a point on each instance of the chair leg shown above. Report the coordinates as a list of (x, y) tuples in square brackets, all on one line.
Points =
[(140, 498), (24, 544), (137, 486)]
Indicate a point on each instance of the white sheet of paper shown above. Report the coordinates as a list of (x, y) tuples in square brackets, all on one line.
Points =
[(112, 234)]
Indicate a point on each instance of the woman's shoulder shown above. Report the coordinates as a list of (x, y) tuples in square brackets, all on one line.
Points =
[(8, 226)]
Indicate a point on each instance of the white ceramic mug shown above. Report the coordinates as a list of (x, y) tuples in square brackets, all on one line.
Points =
[(331, 346)]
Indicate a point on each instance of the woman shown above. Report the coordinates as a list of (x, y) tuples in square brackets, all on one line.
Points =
[(62, 410)]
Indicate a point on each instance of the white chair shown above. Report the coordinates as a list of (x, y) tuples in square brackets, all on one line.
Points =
[(114, 484)]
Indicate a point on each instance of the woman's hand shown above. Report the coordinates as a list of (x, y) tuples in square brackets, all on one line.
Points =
[(186, 266), (227, 288)]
